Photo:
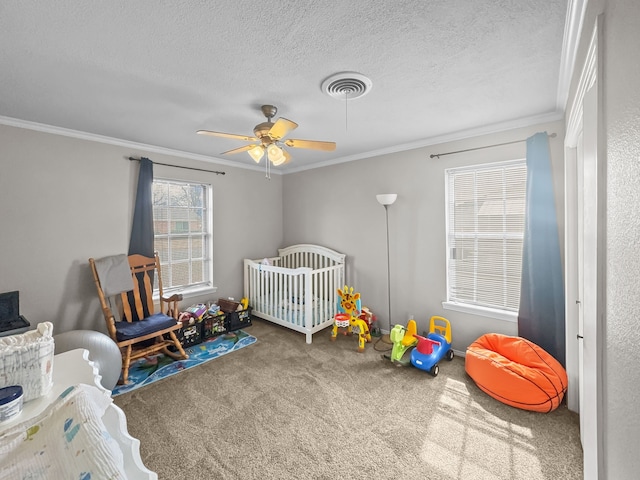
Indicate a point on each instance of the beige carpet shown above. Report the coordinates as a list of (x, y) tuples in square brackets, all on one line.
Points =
[(282, 409)]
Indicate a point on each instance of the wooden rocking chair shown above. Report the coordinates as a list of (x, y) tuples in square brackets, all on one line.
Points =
[(140, 332)]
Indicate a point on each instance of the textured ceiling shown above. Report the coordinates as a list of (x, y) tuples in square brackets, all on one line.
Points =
[(155, 72)]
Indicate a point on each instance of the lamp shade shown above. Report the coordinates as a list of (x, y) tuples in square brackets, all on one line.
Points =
[(386, 198), (274, 152), (256, 153)]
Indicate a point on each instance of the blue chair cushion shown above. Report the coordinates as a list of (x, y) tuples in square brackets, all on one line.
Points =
[(154, 323)]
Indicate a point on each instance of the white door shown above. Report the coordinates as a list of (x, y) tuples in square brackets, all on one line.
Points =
[(574, 268), (580, 277), (590, 278)]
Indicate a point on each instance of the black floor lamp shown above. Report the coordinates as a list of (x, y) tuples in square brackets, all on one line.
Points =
[(386, 199)]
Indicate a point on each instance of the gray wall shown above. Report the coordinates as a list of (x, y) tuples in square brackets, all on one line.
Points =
[(336, 206), (621, 104), (63, 200)]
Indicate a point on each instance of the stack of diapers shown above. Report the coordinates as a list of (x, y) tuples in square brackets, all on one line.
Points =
[(26, 359)]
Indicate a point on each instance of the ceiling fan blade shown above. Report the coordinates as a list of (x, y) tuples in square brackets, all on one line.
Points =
[(227, 135), (312, 144), (238, 150), (281, 128)]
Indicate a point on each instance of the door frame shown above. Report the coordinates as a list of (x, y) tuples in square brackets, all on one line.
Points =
[(593, 331)]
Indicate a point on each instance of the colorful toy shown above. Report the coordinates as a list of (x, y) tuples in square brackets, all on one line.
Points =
[(197, 310), (434, 347), (348, 317), (244, 301), (403, 340), (367, 315)]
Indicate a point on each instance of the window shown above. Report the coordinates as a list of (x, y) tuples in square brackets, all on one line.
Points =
[(182, 228), (485, 227)]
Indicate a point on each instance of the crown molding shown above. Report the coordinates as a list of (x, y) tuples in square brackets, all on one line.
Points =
[(452, 137), (92, 137), (572, 29)]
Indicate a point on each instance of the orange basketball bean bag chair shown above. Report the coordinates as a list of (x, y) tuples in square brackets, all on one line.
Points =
[(517, 372)]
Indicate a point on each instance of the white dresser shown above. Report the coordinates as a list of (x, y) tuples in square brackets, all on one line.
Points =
[(71, 368)]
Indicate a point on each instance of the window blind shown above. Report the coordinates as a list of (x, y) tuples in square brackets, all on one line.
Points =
[(485, 227), (182, 233)]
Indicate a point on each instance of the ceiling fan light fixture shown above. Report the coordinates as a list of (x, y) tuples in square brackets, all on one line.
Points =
[(275, 154), (256, 153), (280, 161), (268, 140)]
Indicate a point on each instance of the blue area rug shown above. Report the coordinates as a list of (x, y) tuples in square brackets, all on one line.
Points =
[(148, 370)]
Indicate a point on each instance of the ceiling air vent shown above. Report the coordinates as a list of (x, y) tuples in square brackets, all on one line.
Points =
[(346, 85)]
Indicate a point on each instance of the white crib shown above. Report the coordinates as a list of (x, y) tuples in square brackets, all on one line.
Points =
[(297, 289)]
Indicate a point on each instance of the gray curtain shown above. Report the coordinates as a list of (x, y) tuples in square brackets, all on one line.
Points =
[(141, 240), (541, 316)]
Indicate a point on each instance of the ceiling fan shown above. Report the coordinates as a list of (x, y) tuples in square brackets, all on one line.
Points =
[(269, 138)]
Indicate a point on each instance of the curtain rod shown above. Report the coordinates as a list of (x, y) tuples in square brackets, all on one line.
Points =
[(438, 155), (180, 166)]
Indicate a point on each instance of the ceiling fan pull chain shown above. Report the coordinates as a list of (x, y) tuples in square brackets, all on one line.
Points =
[(346, 111)]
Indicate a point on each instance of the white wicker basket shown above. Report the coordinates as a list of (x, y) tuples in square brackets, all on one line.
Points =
[(26, 359)]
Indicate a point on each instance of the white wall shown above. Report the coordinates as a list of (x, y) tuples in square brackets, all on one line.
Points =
[(336, 206), (622, 120), (63, 200)]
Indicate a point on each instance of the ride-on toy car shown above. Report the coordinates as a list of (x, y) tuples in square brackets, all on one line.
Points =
[(434, 347)]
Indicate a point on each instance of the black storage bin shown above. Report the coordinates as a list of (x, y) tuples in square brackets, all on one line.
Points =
[(11, 322), (189, 335), (213, 325), (238, 320)]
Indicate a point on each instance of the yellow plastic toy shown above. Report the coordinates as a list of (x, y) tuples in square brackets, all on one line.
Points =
[(403, 339), (244, 301), (441, 326), (348, 317)]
